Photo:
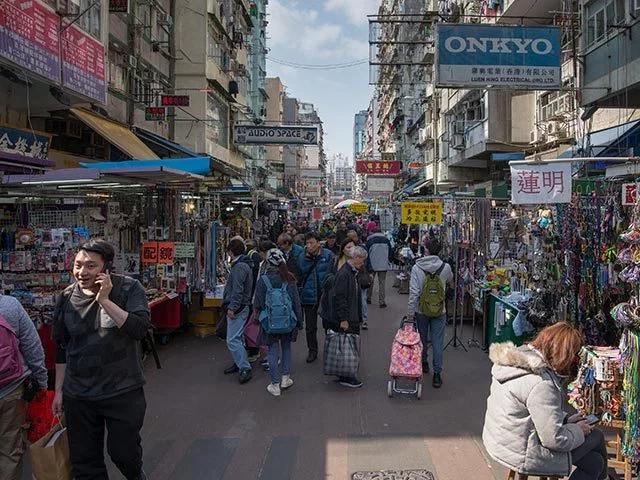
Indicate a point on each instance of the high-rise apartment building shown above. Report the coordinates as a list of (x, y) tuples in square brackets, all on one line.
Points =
[(275, 116)]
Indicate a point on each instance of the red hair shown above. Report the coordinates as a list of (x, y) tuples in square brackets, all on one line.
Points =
[(559, 344)]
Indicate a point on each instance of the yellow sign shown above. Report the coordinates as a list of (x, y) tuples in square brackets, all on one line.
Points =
[(421, 213), (359, 208)]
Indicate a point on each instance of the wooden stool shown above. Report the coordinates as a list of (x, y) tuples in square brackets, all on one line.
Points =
[(520, 476)]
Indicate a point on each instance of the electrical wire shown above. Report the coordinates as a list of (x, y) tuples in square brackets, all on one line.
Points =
[(333, 66)]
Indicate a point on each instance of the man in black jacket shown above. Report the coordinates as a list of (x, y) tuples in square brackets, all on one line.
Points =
[(98, 324), (348, 301)]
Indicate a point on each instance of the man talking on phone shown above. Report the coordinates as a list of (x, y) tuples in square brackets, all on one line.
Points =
[(98, 324)]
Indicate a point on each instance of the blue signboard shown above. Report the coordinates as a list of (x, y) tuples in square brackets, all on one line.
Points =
[(507, 156), (24, 142), (471, 55)]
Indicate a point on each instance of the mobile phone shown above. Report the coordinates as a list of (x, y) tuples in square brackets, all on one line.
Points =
[(592, 419)]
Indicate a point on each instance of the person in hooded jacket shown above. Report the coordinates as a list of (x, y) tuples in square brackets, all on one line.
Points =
[(237, 305), (526, 428), (279, 345), (430, 328)]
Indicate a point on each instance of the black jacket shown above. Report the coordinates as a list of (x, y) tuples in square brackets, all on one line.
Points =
[(348, 300)]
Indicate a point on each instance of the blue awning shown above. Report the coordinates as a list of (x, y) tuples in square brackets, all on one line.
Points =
[(408, 189), (619, 141), (162, 146), (197, 165)]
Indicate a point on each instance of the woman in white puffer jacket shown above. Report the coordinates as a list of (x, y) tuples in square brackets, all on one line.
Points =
[(525, 426)]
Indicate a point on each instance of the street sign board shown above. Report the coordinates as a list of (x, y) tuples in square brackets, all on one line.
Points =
[(118, 6), (380, 184), (155, 114), (359, 208), (473, 55), (275, 135), (378, 167), (540, 184), (174, 100), (421, 213)]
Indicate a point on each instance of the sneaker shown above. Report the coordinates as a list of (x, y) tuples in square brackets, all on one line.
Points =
[(383, 305), (350, 382), (265, 365), (365, 326), (232, 369), (437, 380), (245, 376), (286, 382), (274, 389), (254, 358)]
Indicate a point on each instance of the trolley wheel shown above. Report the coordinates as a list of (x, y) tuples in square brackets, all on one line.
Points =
[(419, 388), (390, 388)]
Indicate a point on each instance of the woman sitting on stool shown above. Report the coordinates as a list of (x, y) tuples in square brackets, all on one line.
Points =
[(525, 427)]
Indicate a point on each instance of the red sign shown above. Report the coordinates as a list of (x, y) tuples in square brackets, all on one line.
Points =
[(629, 193), (83, 64), (166, 251), (149, 252), (416, 165), (29, 37), (378, 167), (155, 114), (317, 213), (174, 100)]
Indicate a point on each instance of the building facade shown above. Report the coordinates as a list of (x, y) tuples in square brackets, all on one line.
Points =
[(275, 116), (314, 163)]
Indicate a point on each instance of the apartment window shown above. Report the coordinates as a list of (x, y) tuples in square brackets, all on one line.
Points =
[(554, 105), (161, 33), (602, 18), (217, 121), (142, 91), (90, 20), (117, 73)]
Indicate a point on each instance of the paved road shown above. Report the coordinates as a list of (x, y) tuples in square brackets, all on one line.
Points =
[(202, 424)]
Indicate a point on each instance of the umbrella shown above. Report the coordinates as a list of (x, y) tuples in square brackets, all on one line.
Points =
[(347, 203)]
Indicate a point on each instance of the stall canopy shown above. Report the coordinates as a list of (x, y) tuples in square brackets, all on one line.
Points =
[(161, 146), (16, 163), (619, 141), (409, 188), (115, 133), (196, 165)]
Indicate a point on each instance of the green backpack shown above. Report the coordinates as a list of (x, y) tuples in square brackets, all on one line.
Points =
[(433, 295)]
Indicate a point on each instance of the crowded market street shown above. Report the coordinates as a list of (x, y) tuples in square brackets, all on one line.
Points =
[(201, 424)]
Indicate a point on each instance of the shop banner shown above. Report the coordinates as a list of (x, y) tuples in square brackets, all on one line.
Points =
[(359, 208), (29, 37), (629, 193), (316, 213), (184, 250), (166, 253), (149, 253), (380, 184), (421, 213), (274, 135), (545, 183), (24, 142), (472, 55), (378, 167), (83, 64)]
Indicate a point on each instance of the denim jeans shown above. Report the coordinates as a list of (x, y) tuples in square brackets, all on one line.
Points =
[(382, 284), (276, 371), (365, 307), (432, 328), (235, 339)]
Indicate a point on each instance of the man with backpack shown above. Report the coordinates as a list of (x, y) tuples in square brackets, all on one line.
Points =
[(22, 373), (98, 324), (313, 267), (430, 277)]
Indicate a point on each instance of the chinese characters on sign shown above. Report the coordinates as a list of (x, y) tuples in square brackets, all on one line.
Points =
[(166, 253), (83, 64), (359, 208), (158, 252), (184, 250), (149, 252), (378, 167), (22, 142), (118, 6), (546, 183), (629, 193), (174, 100), (421, 213), (154, 114)]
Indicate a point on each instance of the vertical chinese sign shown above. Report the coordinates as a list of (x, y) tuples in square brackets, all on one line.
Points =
[(29, 37), (545, 183), (83, 64), (629, 193)]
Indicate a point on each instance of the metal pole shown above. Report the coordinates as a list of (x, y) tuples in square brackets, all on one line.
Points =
[(576, 159)]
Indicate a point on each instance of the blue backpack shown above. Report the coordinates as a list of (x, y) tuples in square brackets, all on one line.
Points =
[(278, 316)]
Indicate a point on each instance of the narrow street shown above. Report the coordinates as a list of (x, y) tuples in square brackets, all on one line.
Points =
[(202, 424)]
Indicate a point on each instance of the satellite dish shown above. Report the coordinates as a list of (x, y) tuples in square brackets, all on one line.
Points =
[(247, 213)]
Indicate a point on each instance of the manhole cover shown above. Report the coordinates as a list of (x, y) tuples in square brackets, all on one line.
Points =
[(394, 475)]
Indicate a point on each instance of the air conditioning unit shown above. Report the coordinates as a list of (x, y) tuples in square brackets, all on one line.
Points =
[(551, 128), (562, 133), (165, 19)]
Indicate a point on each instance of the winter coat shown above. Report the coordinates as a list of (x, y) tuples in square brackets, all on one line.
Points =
[(261, 298), (239, 287), (380, 253), (348, 301), (429, 264), (524, 427), (293, 257), (312, 273)]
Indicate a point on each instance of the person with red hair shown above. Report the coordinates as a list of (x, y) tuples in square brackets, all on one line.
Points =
[(525, 426)]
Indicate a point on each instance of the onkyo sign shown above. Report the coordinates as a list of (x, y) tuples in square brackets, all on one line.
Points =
[(275, 135), (505, 56)]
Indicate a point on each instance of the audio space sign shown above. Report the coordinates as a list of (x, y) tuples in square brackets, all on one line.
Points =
[(471, 55)]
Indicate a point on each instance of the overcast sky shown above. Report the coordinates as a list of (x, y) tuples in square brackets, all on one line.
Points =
[(323, 32)]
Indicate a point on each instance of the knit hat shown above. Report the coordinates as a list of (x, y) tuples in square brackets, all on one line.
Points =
[(275, 257)]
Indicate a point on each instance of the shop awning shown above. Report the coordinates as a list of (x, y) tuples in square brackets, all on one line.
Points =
[(13, 162), (115, 133), (160, 144), (196, 165), (421, 185), (619, 141), (409, 188)]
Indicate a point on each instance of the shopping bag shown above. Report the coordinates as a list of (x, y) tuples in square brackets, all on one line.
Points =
[(252, 331), (40, 415), (341, 354), (50, 455)]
